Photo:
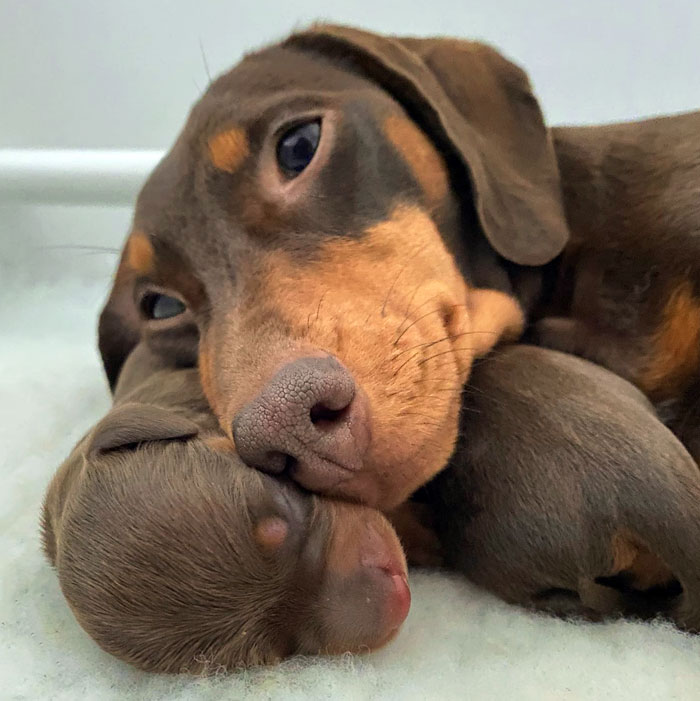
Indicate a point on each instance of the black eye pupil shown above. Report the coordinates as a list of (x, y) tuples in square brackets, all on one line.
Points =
[(298, 146), (157, 306)]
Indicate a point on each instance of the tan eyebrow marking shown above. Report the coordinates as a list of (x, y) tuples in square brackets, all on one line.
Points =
[(140, 253), (229, 149)]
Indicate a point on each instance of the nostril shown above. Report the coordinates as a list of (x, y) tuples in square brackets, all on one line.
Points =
[(323, 416)]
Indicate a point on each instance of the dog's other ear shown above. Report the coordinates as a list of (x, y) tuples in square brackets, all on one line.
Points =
[(118, 329), (475, 105), (132, 423)]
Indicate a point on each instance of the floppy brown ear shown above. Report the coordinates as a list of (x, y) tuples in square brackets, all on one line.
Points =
[(134, 423), (479, 107), (118, 328)]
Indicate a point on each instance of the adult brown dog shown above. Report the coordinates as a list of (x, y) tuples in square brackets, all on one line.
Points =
[(321, 237)]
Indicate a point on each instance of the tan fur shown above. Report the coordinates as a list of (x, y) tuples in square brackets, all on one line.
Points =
[(140, 254), (676, 355), (423, 158), (228, 149)]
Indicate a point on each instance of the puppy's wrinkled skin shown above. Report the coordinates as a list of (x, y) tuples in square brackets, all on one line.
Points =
[(565, 480), (176, 557)]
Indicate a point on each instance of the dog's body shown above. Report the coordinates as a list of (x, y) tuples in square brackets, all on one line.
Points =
[(625, 292), (628, 293), (174, 556), (564, 478)]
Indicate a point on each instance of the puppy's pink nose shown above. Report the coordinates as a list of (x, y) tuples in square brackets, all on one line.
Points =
[(310, 421)]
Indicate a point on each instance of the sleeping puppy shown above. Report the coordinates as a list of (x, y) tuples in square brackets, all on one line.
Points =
[(174, 556), (564, 477)]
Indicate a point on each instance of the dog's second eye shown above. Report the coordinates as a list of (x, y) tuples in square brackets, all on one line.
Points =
[(297, 147), (158, 306)]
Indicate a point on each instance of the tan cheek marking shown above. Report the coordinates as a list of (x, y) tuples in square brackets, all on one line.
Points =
[(229, 149), (139, 253), (422, 157), (346, 286), (676, 355), (270, 533)]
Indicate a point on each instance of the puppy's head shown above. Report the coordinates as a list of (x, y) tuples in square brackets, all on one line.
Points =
[(305, 241), (174, 556)]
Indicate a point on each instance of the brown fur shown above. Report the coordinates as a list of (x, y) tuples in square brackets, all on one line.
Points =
[(582, 485), (633, 557), (176, 557)]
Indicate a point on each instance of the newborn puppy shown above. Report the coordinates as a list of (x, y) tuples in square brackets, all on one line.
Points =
[(564, 477), (174, 556)]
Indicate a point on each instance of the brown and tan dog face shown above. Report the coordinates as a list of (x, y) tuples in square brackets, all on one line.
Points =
[(300, 243), (175, 556)]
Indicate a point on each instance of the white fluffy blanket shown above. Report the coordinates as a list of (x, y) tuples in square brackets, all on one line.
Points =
[(458, 642)]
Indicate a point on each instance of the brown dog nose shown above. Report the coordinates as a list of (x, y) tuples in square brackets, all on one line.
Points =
[(310, 420)]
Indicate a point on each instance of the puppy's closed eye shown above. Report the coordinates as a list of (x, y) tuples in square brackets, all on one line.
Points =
[(133, 423)]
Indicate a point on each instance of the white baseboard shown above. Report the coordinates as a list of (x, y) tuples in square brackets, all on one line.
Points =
[(87, 177)]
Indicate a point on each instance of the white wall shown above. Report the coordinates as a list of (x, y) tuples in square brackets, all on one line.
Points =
[(122, 73)]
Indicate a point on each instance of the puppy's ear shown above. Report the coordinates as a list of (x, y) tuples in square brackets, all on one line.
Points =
[(132, 423), (478, 107)]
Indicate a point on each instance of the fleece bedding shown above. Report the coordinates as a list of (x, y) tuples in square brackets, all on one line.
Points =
[(457, 643)]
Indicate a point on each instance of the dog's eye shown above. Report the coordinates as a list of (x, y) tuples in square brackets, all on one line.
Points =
[(297, 147), (159, 306)]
